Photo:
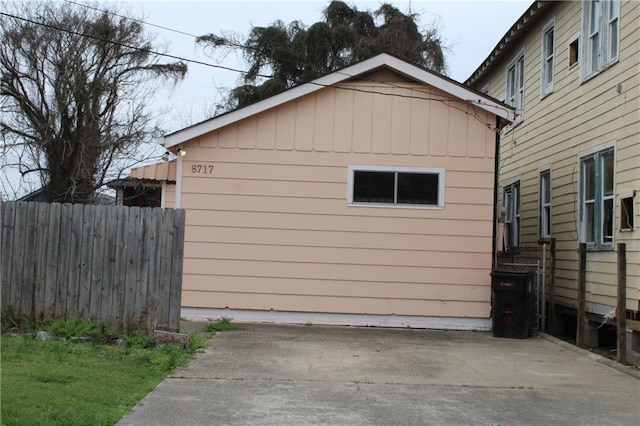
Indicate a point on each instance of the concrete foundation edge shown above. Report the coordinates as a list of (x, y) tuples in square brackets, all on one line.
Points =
[(358, 320), (598, 358)]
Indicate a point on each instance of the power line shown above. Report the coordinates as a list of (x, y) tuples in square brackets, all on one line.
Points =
[(197, 38), (140, 21), (153, 52), (226, 42), (445, 101)]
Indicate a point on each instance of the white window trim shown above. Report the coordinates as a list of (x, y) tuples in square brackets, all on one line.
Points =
[(542, 205), (575, 37), (547, 89), (604, 40), (611, 145), (510, 184), (594, 149), (612, 59), (513, 63), (352, 168)]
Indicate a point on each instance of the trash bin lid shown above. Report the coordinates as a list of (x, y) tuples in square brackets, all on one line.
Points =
[(520, 273)]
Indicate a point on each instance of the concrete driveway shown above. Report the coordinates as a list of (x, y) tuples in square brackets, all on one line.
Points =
[(299, 375)]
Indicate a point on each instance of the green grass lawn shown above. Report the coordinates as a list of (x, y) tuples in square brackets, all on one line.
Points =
[(64, 383)]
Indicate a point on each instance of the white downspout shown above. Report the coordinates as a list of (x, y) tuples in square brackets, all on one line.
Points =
[(179, 182), (163, 196)]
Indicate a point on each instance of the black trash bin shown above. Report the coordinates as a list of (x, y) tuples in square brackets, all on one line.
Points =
[(511, 303)]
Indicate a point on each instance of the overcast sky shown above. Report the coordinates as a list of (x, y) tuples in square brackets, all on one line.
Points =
[(469, 28)]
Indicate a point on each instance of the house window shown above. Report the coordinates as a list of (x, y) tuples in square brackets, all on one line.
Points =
[(626, 214), (574, 51), (545, 204), (548, 52), (613, 31), (601, 27), (515, 85), (596, 213), (511, 202), (396, 186)]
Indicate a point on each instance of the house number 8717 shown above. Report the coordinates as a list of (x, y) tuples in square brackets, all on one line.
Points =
[(202, 169)]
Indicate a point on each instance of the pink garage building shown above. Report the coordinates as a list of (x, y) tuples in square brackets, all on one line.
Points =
[(365, 197)]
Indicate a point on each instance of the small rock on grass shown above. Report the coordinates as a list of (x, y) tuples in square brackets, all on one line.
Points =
[(44, 336)]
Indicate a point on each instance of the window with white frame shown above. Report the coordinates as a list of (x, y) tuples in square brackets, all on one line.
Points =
[(613, 30), (597, 199), (545, 204), (387, 186), (511, 205), (601, 29), (515, 85), (548, 53)]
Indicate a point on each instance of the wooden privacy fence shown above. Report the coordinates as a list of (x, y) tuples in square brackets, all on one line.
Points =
[(115, 265)]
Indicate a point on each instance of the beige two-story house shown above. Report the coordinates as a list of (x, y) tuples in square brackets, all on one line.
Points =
[(570, 163)]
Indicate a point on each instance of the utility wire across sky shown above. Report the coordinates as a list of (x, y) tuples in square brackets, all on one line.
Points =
[(444, 100)]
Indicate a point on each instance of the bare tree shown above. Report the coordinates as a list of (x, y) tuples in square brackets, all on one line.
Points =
[(75, 83)]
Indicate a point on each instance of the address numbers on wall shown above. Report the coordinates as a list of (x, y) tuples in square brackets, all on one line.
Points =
[(202, 169)]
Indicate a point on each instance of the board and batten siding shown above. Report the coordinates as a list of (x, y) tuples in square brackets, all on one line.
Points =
[(268, 226), (558, 129)]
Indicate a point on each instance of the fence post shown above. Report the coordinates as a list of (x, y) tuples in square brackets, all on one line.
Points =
[(5, 258), (622, 304), (582, 289), (175, 289)]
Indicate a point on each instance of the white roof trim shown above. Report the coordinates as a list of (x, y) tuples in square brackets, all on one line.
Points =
[(431, 78)]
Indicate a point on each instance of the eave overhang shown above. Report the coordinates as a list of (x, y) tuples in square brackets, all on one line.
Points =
[(535, 12)]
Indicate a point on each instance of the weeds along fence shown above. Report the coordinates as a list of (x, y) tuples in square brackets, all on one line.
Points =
[(118, 266)]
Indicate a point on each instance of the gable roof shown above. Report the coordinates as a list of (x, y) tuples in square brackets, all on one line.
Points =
[(414, 72), (532, 15)]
